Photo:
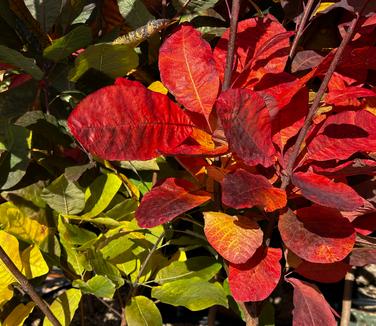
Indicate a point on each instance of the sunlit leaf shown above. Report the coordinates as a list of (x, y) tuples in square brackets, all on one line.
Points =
[(193, 293), (19, 314), (317, 234), (257, 278), (98, 285), (141, 311), (236, 238), (33, 263), (168, 200)]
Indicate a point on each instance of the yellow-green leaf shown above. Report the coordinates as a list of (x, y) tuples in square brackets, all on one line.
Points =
[(19, 314), (323, 6), (100, 193), (33, 262), (64, 307), (141, 311), (158, 87), (98, 285)]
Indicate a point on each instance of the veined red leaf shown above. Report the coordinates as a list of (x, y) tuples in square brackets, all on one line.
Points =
[(305, 60), (188, 70), (235, 238), (322, 190), (348, 96), (324, 273), (255, 44), (246, 123), (344, 134), (354, 167), (168, 200), (310, 306), (363, 256), (317, 234), (256, 279), (242, 189), (114, 122)]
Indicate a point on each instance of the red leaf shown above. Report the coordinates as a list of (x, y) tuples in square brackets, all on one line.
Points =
[(324, 273), (255, 44), (317, 234), (114, 122), (365, 224), (321, 190), (348, 96), (242, 189), (188, 70), (344, 134), (310, 306), (246, 123), (235, 238), (256, 279), (354, 167), (305, 60), (168, 200), (363, 256)]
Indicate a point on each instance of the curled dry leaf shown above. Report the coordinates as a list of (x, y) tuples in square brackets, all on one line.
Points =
[(236, 238)]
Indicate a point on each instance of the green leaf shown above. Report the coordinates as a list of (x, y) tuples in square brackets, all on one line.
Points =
[(194, 5), (64, 197), (14, 162), (61, 48), (18, 100), (33, 262), (19, 314), (114, 60), (100, 193), (193, 293), (105, 268), (45, 11), (15, 58), (64, 307), (125, 210), (98, 285), (267, 315), (141, 311), (74, 234), (202, 267), (134, 13), (116, 246), (149, 165)]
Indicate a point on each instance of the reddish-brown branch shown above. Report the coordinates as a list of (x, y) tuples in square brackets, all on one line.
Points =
[(27, 287), (231, 44), (316, 103), (347, 298), (303, 22)]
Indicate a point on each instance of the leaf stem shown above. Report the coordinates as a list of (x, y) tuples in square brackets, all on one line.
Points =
[(315, 105), (231, 44), (302, 24), (27, 287)]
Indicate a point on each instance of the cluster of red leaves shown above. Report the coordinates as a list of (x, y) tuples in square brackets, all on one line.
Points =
[(252, 127)]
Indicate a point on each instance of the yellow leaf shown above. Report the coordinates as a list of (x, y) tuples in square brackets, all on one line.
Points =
[(64, 307), (6, 294), (158, 87), (323, 6), (15, 222), (33, 262), (19, 314)]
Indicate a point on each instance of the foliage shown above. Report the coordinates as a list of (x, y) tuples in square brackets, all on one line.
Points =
[(127, 166)]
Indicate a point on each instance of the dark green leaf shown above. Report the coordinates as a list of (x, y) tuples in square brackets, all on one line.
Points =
[(134, 13)]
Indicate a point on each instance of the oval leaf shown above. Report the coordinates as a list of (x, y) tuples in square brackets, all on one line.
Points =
[(141, 311), (242, 189), (310, 306), (114, 122), (193, 293), (246, 122), (324, 273), (188, 70), (317, 234), (321, 190), (168, 200), (256, 279), (236, 238)]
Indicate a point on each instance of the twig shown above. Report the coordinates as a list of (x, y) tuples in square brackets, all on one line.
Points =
[(27, 287), (212, 316), (117, 313), (303, 22), (315, 105), (347, 298), (231, 44)]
